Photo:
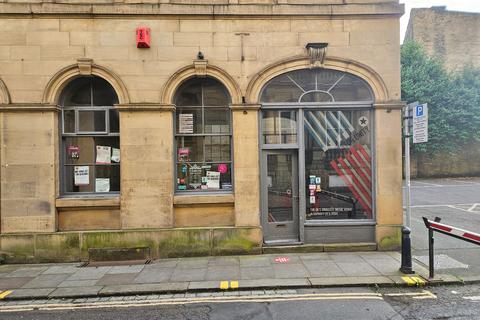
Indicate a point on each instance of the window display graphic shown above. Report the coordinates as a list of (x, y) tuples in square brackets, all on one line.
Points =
[(103, 155), (213, 180), (73, 152), (355, 170), (185, 122), (328, 128), (81, 175), (102, 185), (115, 155)]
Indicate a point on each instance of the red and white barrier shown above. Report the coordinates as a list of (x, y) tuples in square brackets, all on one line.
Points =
[(453, 231)]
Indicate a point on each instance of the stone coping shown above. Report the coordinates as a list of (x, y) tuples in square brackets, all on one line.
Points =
[(78, 202), (208, 10), (187, 199)]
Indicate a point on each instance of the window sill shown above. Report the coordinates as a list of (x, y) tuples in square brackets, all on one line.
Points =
[(84, 202), (225, 199)]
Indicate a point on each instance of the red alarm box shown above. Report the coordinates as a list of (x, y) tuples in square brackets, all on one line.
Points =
[(143, 37)]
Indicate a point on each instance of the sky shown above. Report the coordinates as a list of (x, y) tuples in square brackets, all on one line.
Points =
[(452, 5)]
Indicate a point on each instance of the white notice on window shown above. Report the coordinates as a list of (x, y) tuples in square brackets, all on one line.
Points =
[(185, 122), (115, 155), (213, 180), (102, 185), (103, 154), (81, 175)]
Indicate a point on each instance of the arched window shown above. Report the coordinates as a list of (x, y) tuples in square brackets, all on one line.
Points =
[(316, 86), (90, 154), (203, 136)]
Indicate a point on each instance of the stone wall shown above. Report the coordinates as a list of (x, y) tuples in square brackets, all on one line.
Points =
[(450, 35)]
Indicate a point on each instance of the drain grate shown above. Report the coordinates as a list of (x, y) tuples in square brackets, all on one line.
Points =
[(114, 263)]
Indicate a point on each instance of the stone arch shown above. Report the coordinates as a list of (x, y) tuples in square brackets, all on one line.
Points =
[(4, 94), (84, 67), (373, 79), (200, 68)]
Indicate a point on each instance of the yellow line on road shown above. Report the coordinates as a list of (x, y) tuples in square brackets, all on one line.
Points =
[(4, 294)]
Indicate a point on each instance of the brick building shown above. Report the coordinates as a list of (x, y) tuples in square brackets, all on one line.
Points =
[(239, 125)]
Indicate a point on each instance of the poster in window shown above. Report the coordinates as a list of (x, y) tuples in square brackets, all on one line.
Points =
[(183, 154), (81, 175), (213, 180), (73, 152), (103, 154), (115, 155), (102, 185), (185, 121)]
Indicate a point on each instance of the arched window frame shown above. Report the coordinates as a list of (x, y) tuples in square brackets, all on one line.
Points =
[(182, 186), (108, 136)]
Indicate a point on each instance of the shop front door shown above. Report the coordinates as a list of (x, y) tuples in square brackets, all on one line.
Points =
[(280, 196)]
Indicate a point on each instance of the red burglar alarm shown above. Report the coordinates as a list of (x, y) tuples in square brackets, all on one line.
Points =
[(143, 37)]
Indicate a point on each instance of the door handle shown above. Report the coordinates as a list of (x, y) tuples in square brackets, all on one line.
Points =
[(280, 225)]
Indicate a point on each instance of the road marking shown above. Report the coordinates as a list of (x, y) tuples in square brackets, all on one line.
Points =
[(473, 207), (440, 205), (473, 298), (5, 293), (413, 281), (250, 299), (234, 284), (224, 285)]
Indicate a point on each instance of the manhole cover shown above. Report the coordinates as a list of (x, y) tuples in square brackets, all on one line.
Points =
[(442, 261)]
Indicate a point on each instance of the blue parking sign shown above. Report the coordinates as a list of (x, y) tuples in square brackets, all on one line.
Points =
[(419, 110)]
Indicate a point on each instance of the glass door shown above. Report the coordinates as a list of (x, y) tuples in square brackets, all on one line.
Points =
[(280, 196)]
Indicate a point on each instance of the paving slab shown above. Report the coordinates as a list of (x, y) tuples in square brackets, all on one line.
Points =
[(223, 273), (69, 269), (144, 288), (27, 272), (256, 272), (114, 279), (93, 273), (223, 261), (350, 281), (126, 269), (30, 293), (186, 275), (77, 283), (75, 292), (316, 256), (357, 269), (154, 275), (254, 261), (345, 257), (273, 283), (293, 270), (204, 285), (12, 283), (187, 263), (323, 268), (46, 281)]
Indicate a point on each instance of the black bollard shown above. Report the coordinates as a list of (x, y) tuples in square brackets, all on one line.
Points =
[(406, 252)]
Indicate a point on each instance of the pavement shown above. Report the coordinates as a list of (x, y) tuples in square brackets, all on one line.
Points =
[(456, 201), (207, 274)]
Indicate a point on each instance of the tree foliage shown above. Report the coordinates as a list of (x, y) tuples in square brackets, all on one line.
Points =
[(453, 99)]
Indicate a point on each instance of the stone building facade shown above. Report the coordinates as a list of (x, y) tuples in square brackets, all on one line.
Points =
[(452, 36), (245, 124)]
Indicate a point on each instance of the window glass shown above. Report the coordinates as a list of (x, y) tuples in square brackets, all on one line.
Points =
[(217, 120), (69, 121), (338, 170), (90, 149), (279, 127), (92, 121), (315, 85), (203, 140), (77, 93)]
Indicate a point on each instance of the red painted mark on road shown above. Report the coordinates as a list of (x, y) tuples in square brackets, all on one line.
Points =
[(282, 259)]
